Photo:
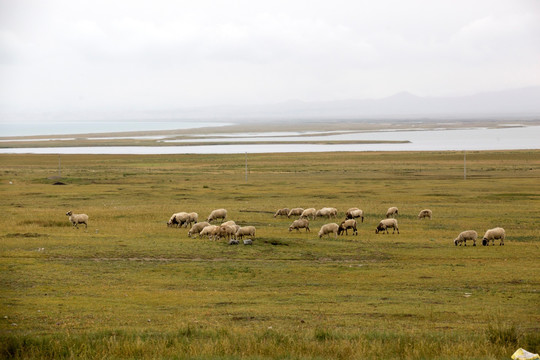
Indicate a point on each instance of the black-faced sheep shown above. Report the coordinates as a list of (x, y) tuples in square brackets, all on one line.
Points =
[(497, 233), (295, 212), (299, 224), (77, 219), (392, 211), (328, 229), (284, 211), (308, 213), (426, 213), (217, 214), (387, 223), (354, 213), (348, 224), (464, 236), (178, 219)]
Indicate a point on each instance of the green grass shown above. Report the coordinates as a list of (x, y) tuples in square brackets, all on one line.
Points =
[(130, 287)]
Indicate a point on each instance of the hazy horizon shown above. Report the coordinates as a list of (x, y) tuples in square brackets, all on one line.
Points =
[(96, 57)]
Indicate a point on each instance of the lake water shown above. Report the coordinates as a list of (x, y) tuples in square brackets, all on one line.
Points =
[(29, 128), (511, 138)]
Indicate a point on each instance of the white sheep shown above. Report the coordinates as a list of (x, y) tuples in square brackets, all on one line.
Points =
[(354, 213), (210, 231), (299, 224), (196, 228), (464, 236), (226, 231), (229, 223), (392, 212), (307, 213), (328, 229), (178, 219), (284, 211), (327, 211), (497, 233), (426, 213), (387, 223), (295, 212), (77, 219), (348, 224), (217, 214), (245, 230), (193, 217)]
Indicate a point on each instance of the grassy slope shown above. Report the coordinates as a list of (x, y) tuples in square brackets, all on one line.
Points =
[(128, 286)]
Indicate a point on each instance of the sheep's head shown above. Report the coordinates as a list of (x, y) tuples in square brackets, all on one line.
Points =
[(455, 241), (484, 241), (69, 213)]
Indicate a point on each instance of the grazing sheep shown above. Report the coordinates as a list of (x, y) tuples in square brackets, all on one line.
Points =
[(209, 231), (226, 231), (178, 219), (197, 227), (77, 219), (464, 236), (284, 211), (307, 213), (328, 229), (245, 230), (348, 224), (354, 213), (387, 223), (299, 224), (497, 233), (217, 214), (295, 212), (392, 212), (229, 223), (192, 217), (327, 211), (426, 213)]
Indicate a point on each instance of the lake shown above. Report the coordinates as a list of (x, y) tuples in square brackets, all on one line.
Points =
[(506, 138)]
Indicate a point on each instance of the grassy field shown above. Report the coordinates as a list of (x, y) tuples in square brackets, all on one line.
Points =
[(130, 287)]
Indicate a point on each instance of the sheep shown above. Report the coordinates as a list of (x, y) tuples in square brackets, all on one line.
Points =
[(426, 213), (387, 223), (354, 213), (328, 229), (77, 219), (245, 230), (497, 233), (284, 211), (300, 224), (226, 231), (295, 211), (217, 214), (327, 211), (464, 236), (307, 213), (196, 228), (392, 211), (193, 217), (209, 231), (229, 223), (178, 219), (348, 224)]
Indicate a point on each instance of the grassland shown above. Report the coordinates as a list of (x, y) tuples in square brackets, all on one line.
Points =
[(129, 287)]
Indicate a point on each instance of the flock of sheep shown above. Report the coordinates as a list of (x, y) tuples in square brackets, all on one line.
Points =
[(233, 233)]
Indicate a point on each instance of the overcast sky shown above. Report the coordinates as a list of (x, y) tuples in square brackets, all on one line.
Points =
[(133, 55)]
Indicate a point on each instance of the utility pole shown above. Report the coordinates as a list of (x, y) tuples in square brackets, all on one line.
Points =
[(465, 165)]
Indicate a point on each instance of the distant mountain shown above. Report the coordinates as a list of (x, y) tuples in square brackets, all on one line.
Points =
[(517, 102)]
